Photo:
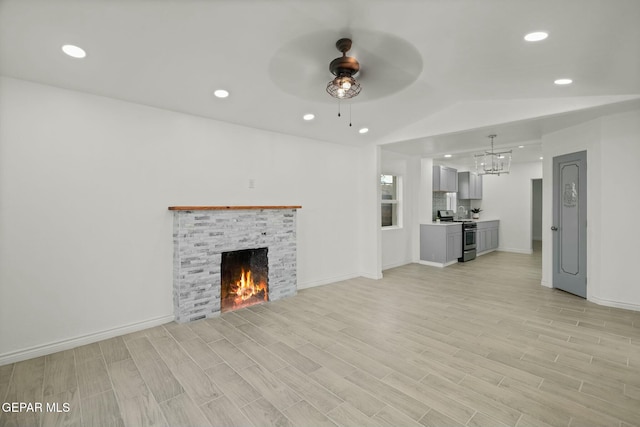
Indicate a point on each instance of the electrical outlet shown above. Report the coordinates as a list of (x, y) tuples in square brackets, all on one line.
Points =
[(252, 183)]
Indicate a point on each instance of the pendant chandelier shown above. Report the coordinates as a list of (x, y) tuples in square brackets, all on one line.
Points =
[(492, 162), (344, 85)]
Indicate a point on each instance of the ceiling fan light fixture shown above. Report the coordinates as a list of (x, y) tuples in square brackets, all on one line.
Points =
[(344, 85)]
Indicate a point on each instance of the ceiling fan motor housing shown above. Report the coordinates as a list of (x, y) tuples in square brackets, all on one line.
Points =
[(344, 65)]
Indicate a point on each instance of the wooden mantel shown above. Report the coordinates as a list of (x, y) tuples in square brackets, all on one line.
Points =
[(228, 208)]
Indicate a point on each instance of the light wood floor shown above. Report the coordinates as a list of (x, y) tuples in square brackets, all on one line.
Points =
[(477, 344)]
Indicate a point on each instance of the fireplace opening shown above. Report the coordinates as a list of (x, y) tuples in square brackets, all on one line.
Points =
[(244, 278)]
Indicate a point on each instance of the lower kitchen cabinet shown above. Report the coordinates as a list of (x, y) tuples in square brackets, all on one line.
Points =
[(487, 236), (440, 244), (454, 246)]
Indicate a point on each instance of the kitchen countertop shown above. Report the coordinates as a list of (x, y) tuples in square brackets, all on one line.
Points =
[(444, 223), (448, 223)]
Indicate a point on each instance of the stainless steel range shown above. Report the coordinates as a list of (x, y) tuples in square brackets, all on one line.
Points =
[(469, 238)]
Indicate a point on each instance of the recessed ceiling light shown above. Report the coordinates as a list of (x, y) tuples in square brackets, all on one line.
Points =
[(74, 51), (309, 116), (221, 93), (536, 36), (364, 130), (447, 155), (563, 81), (541, 158), (520, 146)]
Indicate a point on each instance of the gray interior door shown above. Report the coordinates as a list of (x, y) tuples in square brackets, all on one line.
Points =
[(570, 223)]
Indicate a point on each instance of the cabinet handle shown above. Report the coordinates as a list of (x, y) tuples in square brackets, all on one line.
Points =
[(554, 228)]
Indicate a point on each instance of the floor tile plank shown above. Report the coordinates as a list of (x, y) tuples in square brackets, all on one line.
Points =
[(182, 411), (263, 413), (349, 392), (269, 386), (222, 412), (192, 378), (201, 353), (233, 385), (114, 350), (138, 406), (93, 377), (155, 372), (101, 410), (309, 389), (346, 415), (261, 355), (302, 413)]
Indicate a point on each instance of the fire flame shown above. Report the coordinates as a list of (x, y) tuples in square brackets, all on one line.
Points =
[(246, 288)]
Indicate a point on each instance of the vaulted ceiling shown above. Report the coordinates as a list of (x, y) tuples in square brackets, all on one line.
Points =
[(428, 67)]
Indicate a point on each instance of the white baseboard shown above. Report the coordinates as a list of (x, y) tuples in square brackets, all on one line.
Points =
[(396, 264), (372, 276), (602, 301), (54, 347), (329, 280), (615, 304), (485, 252), (516, 251), (545, 284), (437, 264)]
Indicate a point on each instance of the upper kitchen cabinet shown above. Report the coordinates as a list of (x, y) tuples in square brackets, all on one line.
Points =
[(469, 186), (445, 179)]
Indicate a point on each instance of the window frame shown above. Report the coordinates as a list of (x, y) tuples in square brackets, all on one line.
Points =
[(397, 202)]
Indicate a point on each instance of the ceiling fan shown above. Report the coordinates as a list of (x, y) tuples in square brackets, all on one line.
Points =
[(344, 85), (299, 67)]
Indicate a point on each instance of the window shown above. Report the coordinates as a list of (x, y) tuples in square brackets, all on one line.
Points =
[(452, 202), (391, 208)]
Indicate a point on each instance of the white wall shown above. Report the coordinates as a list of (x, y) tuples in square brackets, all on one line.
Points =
[(370, 250), (508, 198), (613, 150), (85, 182), (397, 243), (620, 175)]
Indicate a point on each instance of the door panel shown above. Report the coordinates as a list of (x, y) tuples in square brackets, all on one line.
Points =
[(570, 223)]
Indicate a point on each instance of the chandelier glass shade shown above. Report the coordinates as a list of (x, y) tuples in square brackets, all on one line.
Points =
[(343, 87), (493, 162)]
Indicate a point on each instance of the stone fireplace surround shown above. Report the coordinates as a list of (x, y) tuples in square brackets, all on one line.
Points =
[(202, 233)]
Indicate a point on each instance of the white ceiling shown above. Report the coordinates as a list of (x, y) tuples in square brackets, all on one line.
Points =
[(431, 70)]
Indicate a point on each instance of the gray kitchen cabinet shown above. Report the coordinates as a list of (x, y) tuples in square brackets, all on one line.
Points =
[(487, 236), (441, 244), (469, 186), (445, 179), (454, 246)]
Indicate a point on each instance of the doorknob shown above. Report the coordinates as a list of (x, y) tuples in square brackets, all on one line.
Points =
[(554, 228)]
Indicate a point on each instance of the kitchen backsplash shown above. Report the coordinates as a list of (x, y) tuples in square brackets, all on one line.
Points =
[(440, 203)]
